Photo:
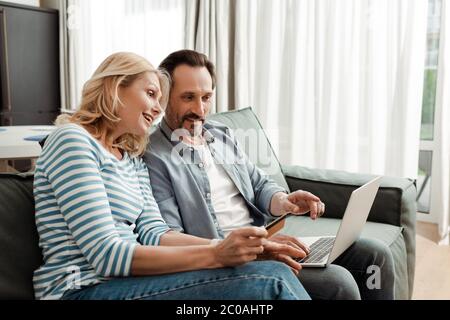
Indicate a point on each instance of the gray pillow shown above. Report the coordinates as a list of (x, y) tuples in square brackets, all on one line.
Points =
[(265, 158)]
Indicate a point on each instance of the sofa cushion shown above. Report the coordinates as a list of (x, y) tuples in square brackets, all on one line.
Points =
[(253, 141), (20, 253), (306, 227), (390, 235)]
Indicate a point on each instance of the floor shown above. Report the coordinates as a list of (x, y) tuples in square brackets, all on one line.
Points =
[(432, 279)]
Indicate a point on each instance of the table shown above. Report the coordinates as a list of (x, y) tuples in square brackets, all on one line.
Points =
[(21, 142)]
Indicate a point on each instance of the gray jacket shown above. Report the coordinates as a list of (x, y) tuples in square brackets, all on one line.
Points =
[(181, 186)]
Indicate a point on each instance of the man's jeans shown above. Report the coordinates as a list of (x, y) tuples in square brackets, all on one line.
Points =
[(363, 271), (260, 280)]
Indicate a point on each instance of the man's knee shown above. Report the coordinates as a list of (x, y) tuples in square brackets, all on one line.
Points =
[(346, 286), (377, 252), (331, 283)]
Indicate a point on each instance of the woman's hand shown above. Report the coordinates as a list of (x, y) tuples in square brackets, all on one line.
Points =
[(241, 246)]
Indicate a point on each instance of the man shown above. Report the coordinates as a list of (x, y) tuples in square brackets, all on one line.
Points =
[(205, 186)]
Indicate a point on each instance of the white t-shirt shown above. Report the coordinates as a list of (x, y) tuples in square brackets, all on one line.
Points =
[(229, 205)]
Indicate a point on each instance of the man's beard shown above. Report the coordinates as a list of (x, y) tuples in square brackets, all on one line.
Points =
[(196, 123)]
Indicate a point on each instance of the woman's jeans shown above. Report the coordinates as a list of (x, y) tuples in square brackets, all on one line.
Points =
[(259, 280)]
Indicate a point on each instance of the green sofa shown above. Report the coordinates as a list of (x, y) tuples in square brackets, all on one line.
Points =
[(392, 218)]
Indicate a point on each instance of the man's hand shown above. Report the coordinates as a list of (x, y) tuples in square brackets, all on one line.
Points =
[(241, 246), (285, 249), (298, 202), (291, 241)]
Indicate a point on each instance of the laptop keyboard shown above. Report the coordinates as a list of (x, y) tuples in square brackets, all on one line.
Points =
[(318, 250)]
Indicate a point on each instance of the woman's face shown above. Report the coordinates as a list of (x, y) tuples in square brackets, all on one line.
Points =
[(140, 105)]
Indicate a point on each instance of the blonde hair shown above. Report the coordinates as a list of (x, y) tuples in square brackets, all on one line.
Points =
[(98, 110)]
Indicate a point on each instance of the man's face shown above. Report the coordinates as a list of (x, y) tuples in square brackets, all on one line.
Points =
[(190, 98)]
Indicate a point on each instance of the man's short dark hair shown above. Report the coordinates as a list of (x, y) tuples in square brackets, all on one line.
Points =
[(188, 57)]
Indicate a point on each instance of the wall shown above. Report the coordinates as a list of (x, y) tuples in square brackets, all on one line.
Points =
[(25, 2)]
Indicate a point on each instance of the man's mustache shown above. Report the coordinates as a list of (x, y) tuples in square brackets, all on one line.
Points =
[(192, 117)]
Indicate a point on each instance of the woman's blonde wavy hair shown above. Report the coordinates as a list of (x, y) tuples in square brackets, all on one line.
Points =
[(98, 110)]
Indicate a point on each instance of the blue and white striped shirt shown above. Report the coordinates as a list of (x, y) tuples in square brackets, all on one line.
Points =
[(91, 211)]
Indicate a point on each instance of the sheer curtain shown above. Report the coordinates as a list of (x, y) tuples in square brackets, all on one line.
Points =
[(211, 28), (442, 131), (337, 84), (98, 28)]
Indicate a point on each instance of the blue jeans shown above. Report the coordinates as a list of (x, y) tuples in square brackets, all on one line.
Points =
[(259, 280)]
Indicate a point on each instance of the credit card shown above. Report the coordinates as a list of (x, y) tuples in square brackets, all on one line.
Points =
[(276, 225)]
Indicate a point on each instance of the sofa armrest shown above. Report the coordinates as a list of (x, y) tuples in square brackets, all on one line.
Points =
[(394, 204)]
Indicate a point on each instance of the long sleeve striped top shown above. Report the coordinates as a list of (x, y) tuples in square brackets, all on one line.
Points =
[(91, 211)]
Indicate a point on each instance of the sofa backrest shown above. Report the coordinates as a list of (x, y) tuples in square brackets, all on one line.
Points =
[(20, 254), (253, 140)]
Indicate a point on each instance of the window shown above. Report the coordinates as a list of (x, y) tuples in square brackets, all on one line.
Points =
[(428, 107), (431, 64)]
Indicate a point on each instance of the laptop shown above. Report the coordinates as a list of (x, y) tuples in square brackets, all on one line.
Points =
[(324, 250)]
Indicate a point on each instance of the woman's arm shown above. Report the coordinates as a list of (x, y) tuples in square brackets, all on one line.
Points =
[(152, 260), (175, 238), (241, 246)]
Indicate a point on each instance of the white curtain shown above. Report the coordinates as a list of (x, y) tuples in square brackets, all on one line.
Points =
[(211, 29), (337, 84), (151, 28), (442, 131)]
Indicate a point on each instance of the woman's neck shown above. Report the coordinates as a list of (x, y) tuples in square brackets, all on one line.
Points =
[(108, 144), (107, 141)]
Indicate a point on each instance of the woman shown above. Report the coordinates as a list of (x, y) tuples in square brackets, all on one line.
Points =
[(100, 229)]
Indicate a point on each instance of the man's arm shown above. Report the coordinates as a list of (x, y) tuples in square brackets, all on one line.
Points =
[(263, 187), (274, 200)]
